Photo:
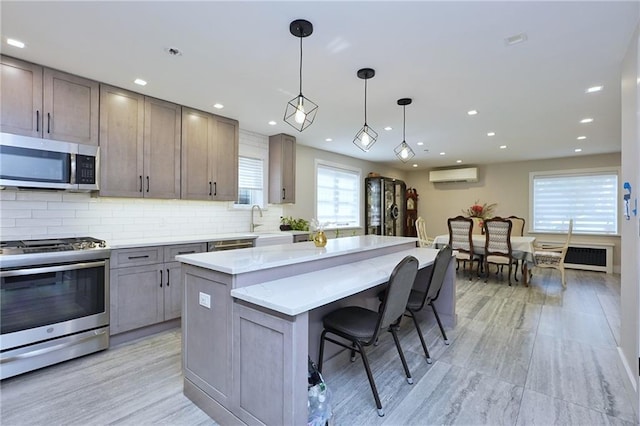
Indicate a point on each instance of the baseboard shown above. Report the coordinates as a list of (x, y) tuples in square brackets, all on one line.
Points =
[(138, 333), (631, 384)]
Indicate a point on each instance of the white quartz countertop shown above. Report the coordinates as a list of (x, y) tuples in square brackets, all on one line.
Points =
[(170, 240), (301, 293), (260, 258)]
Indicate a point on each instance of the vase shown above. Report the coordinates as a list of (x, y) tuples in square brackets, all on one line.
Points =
[(320, 239)]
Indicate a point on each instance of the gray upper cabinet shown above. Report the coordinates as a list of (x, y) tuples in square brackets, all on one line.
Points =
[(209, 156), (140, 145), (41, 102), (282, 169)]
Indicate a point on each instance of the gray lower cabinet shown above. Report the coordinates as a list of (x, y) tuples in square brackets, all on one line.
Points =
[(146, 285)]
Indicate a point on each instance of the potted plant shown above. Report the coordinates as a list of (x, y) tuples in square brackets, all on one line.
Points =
[(289, 223)]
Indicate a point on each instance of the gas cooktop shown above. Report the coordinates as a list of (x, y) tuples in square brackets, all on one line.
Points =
[(50, 245), (29, 253)]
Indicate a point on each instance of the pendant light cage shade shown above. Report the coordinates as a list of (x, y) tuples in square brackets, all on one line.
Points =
[(366, 136), (404, 151), (301, 111)]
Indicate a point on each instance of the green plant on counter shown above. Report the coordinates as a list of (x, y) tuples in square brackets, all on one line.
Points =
[(337, 233), (298, 224)]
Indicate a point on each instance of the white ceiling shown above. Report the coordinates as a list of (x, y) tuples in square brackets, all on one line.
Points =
[(450, 57)]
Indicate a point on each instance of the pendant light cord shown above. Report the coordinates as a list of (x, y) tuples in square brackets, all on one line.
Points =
[(404, 120), (365, 101), (300, 66)]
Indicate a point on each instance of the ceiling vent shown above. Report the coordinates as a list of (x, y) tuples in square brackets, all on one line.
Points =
[(469, 174)]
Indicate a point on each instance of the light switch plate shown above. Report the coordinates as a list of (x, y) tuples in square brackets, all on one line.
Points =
[(205, 300)]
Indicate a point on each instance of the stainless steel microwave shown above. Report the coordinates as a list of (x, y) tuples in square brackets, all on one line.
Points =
[(27, 162)]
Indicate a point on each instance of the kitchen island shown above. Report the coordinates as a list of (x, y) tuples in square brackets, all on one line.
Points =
[(251, 317)]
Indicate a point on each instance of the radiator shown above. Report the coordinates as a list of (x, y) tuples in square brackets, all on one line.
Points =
[(590, 257)]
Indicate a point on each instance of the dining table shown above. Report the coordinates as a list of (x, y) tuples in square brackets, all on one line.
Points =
[(522, 249)]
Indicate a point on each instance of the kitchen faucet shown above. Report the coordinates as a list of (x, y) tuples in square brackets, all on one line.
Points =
[(254, 225)]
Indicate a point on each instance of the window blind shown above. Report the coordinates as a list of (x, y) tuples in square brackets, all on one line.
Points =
[(338, 196), (590, 199), (250, 181)]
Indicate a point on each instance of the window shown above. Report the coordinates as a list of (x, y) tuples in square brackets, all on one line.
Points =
[(250, 182), (589, 197), (337, 195)]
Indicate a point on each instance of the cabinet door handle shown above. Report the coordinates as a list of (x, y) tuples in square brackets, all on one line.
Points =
[(140, 184), (160, 277), (48, 122), (210, 188), (139, 257), (284, 193), (168, 283), (215, 188), (187, 252), (38, 121), (147, 183)]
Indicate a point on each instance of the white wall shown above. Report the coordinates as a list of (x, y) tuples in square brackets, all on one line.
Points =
[(630, 295), (305, 180), (506, 184)]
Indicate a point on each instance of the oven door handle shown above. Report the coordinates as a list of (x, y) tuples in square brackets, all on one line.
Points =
[(57, 268), (51, 348)]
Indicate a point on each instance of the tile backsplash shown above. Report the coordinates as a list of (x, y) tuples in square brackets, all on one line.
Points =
[(49, 214)]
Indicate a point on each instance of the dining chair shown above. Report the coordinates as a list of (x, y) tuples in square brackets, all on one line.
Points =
[(421, 232), (419, 299), (517, 230), (497, 246), (361, 326), (546, 256), (460, 239)]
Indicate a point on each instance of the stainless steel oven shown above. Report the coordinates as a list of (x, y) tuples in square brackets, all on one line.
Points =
[(54, 297)]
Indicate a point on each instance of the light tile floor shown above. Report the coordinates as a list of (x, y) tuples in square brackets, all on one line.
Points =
[(537, 355)]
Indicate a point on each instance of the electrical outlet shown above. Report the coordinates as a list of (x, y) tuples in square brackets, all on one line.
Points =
[(205, 300)]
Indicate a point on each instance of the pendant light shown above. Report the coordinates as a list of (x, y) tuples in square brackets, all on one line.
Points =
[(404, 151), (366, 137), (300, 111)]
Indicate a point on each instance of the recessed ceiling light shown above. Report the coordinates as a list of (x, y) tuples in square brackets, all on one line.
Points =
[(586, 120), (443, 153), (581, 138), (503, 147), (578, 150), (458, 161), (420, 143), (15, 43), (491, 134), (515, 39), (472, 112), (272, 123), (328, 140), (414, 165), (218, 106), (140, 81), (388, 128), (594, 89)]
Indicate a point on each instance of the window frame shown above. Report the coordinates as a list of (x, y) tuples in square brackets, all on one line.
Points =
[(251, 146), (347, 168), (614, 170)]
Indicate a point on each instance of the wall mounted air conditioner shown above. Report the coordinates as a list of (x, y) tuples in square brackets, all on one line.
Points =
[(469, 174)]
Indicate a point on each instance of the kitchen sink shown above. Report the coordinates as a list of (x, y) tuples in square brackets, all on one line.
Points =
[(272, 238)]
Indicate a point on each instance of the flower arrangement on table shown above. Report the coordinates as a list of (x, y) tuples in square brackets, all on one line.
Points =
[(480, 211)]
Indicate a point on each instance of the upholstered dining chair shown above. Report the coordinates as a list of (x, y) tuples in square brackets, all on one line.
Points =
[(497, 246), (419, 299), (460, 230), (421, 232), (547, 256), (517, 228), (361, 326)]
